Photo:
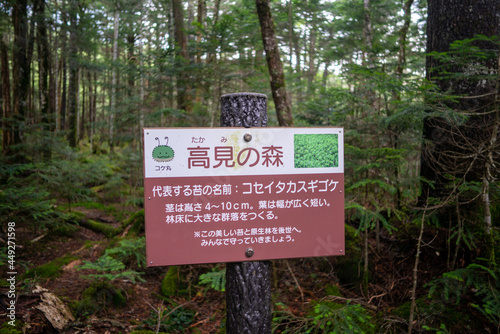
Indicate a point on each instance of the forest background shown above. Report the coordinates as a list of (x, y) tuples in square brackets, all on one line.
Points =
[(414, 83)]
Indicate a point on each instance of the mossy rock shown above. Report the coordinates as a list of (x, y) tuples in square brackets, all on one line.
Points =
[(170, 283), (79, 219), (99, 297), (64, 230), (50, 269)]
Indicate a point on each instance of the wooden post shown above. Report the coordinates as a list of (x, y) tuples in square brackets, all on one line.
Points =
[(248, 284)]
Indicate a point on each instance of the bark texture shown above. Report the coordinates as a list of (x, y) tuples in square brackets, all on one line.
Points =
[(248, 284), (244, 110)]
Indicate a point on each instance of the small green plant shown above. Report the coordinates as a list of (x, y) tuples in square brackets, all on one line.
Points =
[(336, 318), (170, 319), (326, 317), (215, 278), (130, 250), (111, 265), (441, 330), (110, 269)]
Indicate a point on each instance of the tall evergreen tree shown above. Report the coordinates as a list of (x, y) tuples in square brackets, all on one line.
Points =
[(73, 74), (461, 136)]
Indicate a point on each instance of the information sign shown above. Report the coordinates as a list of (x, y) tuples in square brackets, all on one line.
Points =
[(239, 194)]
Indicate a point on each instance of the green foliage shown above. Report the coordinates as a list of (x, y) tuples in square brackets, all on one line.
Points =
[(130, 250), (7, 328), (110, 269), (215, 278), (170, 319), (477, 284), (21, 198), (441, 330), (69, 179), (316, 150), (336, 318), (326, 317)]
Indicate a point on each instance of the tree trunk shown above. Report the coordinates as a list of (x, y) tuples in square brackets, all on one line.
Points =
[(312, 70), (114, 75), (131, 58), (22, 52), (82, 102), (368, 55), (73, 76), (183, 85), (44, 70), (394, 130), (403, 32), (248, 284), (447, 22), (7, 126), (464, 151), (202, 12), (278, 88)]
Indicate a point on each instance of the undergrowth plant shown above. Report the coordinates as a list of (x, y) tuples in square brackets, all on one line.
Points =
[(111, 265), (326, 317), (172, 319), (475, 286), (215, 278)]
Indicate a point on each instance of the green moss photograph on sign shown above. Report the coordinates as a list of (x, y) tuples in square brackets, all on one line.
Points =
[(316, 150)]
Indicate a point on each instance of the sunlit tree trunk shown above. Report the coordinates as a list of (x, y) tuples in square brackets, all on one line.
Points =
[(313, 32), (183, 84), (278, 88)]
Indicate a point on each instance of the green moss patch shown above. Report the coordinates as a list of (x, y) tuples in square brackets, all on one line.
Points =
[(170, 282), (50, 269), (7, 328), (99, 297)]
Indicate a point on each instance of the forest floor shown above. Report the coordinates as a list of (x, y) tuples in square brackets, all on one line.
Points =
[(298, 285)]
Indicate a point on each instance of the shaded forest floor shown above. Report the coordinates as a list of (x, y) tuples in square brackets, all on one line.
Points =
[(307, 293)]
